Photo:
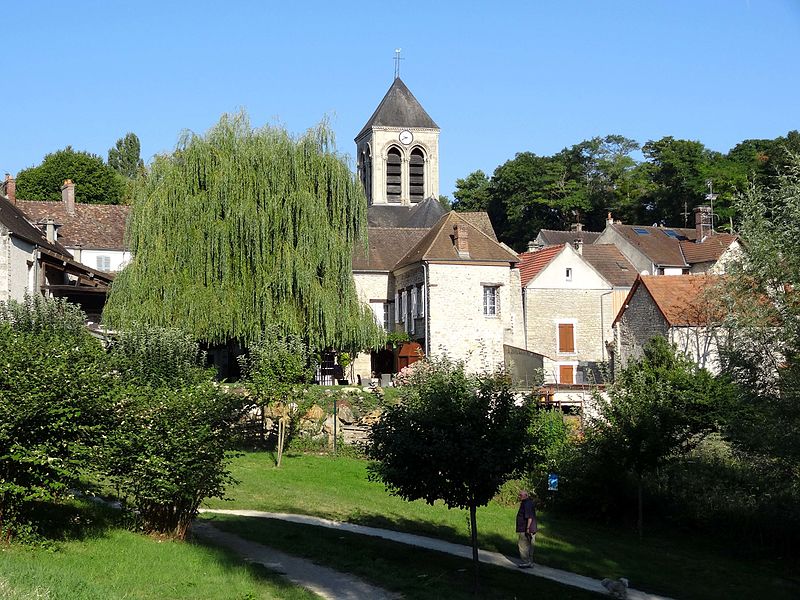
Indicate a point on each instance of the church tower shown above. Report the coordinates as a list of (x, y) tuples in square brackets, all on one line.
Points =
[(398, 151)]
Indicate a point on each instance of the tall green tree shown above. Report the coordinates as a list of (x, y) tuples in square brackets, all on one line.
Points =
[(242, 229), (472, 192), (761, 300), (125, 156), (454, 437), (658, 406), (95, 181)]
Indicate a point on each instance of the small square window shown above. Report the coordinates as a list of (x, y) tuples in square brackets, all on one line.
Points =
[(568, 274), (103, 263)]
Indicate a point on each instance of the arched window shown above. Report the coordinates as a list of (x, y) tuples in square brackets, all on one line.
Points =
[(416, 176), (394, 170)]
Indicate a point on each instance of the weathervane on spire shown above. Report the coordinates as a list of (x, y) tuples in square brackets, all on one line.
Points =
[(397, 59)]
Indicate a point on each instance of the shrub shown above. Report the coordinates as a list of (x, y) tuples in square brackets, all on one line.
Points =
[(168, 448), (52, 402)]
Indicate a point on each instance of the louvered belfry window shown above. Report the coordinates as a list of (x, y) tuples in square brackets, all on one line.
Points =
[(394, 171), (417, 176)]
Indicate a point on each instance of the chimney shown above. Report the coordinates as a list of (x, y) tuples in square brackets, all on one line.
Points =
[(50, 229), (703, 224), (11, 189), (577, 227), (68, 196), (461, 240), (578, 245), (609, 220), (533, 246)]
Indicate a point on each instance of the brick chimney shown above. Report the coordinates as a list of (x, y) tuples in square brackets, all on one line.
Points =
[(10, 187), (461, 239), (68, 196), (703, 224)]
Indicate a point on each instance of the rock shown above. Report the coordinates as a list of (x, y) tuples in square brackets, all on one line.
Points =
[(345, 414), (315, 413), (371, 418), (327, 427)]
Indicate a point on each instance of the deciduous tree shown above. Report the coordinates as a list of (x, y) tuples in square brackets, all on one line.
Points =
[(95, 181), (454, 438)]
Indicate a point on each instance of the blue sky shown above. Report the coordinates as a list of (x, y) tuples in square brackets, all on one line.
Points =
[(498, 78)]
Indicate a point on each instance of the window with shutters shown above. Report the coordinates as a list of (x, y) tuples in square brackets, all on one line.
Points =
[(566, 338), (416, 176), (566, 374), (394, 175), (103, 263), (422, 300)]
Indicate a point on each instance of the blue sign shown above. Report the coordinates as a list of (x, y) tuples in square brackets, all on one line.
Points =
[(552, 482)]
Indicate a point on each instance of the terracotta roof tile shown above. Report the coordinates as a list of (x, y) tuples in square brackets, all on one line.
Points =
[(709, 250), (533, 263), (550, 237), (662, 245), (18, 223), (93, 226), (682, 299), (610, 263), (387, 245), (438, 244)]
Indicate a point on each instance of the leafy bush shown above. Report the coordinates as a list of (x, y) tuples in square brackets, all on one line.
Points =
[(52, 405), (168, 447)]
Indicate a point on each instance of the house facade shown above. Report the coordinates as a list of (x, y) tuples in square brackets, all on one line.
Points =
[(571, 293), (94, 234), (678, 309)]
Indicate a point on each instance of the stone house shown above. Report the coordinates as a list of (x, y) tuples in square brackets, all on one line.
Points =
[(571, 293), (455, 291), (672, 250), (677, 308), (92, 233), (32, 261)]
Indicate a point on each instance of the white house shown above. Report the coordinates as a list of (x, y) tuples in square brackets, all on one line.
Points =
[(571, 293)]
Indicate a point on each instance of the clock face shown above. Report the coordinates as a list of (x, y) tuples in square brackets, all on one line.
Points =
[(406, 137)]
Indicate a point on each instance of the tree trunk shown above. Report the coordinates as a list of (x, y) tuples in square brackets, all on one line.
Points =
[(281, 436), (474, 535)]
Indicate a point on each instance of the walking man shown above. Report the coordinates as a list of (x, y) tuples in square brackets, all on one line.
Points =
[(526, 529)]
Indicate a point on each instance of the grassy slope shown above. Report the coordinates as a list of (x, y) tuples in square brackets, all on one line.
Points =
[(120, 564), (668, 563)]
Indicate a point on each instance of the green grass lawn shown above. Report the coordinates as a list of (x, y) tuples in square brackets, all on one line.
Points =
[(667, 562), (111, 563)]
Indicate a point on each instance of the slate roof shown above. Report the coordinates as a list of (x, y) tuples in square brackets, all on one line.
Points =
[(425, 214), (93, 226), (438, 244), (610, 263), (387, 245), (709, 250), (533, 263), (19, 225), (681, 299), (654, 242), (481, 221), (399, 108), (550, 237)]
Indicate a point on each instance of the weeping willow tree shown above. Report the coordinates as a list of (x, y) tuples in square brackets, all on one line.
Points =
[(243, 230)]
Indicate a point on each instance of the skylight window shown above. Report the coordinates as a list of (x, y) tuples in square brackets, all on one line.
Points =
[(672, 234), (641, 231)]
